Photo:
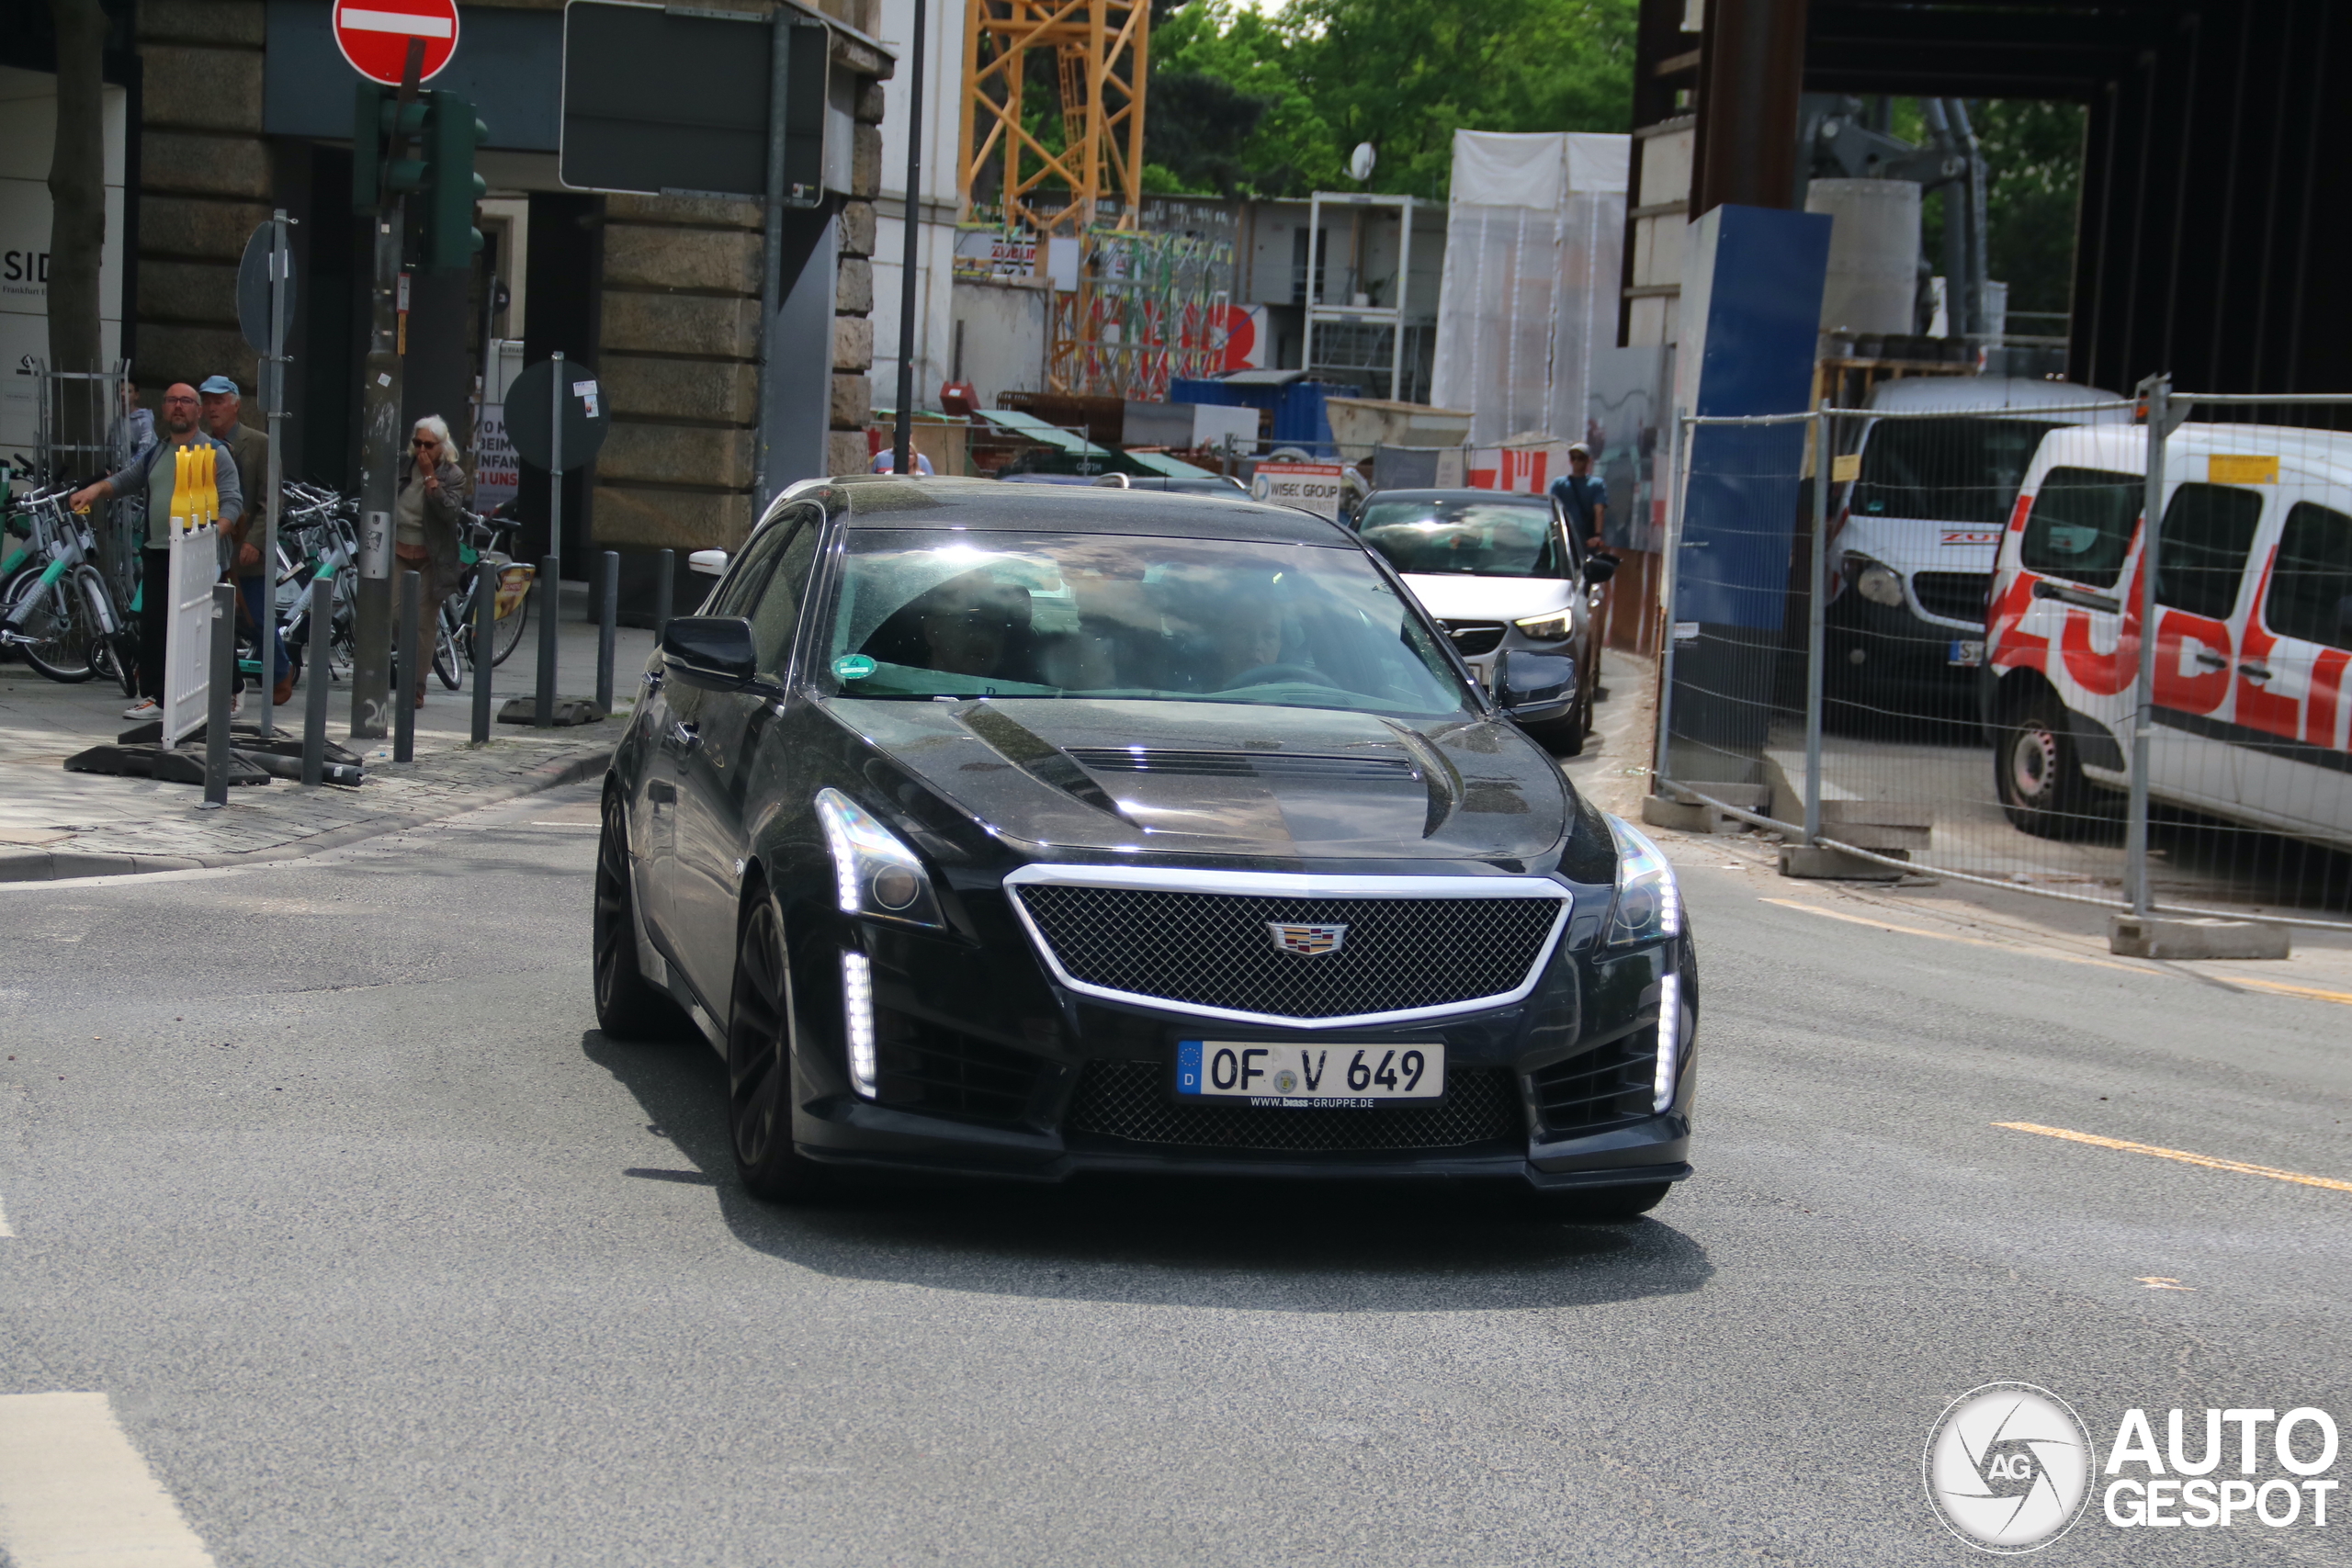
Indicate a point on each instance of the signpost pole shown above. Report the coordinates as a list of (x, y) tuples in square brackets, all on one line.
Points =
[(902, 446), (551, 597), (273, 381), (381, 452)]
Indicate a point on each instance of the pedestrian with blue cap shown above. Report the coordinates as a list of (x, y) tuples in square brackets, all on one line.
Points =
[(223, 419)]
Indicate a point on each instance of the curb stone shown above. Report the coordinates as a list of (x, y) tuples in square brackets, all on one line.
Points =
[(45, 866)]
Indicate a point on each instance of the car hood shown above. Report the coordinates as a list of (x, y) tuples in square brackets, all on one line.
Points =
[(1490, 598), (1227, 779)]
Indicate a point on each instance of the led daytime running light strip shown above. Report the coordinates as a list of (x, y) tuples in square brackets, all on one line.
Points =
[(857, 1012), (1669, 1042)]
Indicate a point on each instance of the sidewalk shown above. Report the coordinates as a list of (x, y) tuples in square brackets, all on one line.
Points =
[(56, 824)]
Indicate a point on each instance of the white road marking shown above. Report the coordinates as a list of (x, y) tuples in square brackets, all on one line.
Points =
[(75, 1494), (359, 21), (4, 1231)]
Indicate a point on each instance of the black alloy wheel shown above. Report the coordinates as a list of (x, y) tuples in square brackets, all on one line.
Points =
[(628, 1006), (2038, 773), (759, 1063)]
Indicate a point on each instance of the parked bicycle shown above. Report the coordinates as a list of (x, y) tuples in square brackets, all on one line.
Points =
[(485, 565), (58, 609)]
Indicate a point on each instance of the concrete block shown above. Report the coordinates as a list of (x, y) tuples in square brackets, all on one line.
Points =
[(196, 88), (852, 344), (203, 22), (675, 454), (854, 287), (867, 109), (723, 392), (866, 160), (1885, 839), (1878, 814), (847, 454), (856, 230), (655, 518), (1806, 861), (2168, 936), (852, 401), (194, 228), (712, 326), (199, 165), (708, 261)]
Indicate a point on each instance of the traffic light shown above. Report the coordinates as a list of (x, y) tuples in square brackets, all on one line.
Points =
[(451, 187), (381, 122)]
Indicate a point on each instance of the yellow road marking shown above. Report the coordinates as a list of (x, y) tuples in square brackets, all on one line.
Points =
[(2283, 988), (2185, 1158)]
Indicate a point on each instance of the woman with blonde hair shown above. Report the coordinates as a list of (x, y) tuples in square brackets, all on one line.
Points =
[(427, 514)]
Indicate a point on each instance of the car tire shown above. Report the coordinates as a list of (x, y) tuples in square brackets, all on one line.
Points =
[(628, 1006), (1603, 1205), (759, 1063), (1561, 736), (2038, 773)]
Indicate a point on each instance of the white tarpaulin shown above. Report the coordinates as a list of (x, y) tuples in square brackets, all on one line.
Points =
[(1536, 230)]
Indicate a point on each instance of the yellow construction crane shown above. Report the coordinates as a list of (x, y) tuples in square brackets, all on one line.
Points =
[(1100, 57)]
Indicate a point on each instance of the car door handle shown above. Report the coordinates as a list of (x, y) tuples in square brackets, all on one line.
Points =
[(683, 737), (2084, 598), (2210, 660), (2255, 671)]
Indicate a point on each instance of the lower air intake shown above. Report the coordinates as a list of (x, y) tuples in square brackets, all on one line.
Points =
[(1132, 1102)]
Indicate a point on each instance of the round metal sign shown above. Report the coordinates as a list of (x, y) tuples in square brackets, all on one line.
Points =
[(374, 36), (531, 401)]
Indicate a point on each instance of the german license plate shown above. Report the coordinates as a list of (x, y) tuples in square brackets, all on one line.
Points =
[(1967, 652), (1303, 1077)]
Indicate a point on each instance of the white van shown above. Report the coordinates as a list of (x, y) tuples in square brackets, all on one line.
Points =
[(1913, 545), (2253, 630)]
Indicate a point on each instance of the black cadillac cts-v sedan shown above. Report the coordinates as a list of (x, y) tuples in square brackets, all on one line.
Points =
[(1025, 832)]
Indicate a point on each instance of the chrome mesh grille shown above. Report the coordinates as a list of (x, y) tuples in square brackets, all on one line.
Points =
[(1132, 1100), (1214, 950)]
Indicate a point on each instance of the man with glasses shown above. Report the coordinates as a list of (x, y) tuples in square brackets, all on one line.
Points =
[(154, 471), (427, 516)]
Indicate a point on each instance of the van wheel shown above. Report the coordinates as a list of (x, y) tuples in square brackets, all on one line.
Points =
[(2038, 773)]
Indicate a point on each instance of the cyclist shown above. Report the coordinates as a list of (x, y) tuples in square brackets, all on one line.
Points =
[(154, 473)]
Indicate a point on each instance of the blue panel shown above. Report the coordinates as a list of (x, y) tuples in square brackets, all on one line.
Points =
[(1762, 306), (509, 63), (1188, 1067)]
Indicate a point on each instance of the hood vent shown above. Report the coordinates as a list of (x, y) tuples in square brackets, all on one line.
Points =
[(1297, 765)]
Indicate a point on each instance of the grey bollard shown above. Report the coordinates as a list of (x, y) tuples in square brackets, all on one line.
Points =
[(318, 670), (408, 669), (550, 606), (485, 645), (608, 611), (665, 589), (223, 677)]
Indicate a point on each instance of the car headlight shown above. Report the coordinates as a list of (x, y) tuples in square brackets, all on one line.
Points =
[(1547, 629), (878, 876), (1649, 905), (1878, 584)]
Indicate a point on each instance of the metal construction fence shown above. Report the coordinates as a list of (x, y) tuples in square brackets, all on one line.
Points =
[(1932, 656)]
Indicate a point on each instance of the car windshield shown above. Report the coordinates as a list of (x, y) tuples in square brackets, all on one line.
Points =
[(1467, 538), (1946, 471), (955, 614)]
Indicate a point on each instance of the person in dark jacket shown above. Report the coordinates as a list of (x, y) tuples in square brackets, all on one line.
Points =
[(223, 418), (427, 517)]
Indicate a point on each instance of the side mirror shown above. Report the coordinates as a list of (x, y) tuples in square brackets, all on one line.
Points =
[(1531, 687), (710, 650), (711, 563), (1599, 569)]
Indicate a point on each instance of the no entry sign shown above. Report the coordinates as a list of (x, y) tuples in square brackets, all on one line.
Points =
[(374, 35)]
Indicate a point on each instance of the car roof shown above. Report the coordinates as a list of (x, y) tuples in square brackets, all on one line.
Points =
[(2322, 454), (1462, 493), (1954, 394), (886, 501)]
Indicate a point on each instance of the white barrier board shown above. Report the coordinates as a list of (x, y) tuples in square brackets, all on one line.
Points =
[(188, 639)]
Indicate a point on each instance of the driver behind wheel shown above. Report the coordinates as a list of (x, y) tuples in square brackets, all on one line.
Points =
[(1249, 637)]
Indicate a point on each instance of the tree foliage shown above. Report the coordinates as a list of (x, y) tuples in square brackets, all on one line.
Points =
[(1303, 84)]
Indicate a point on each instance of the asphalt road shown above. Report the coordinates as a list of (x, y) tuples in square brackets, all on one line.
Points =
[(373, 1251)]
